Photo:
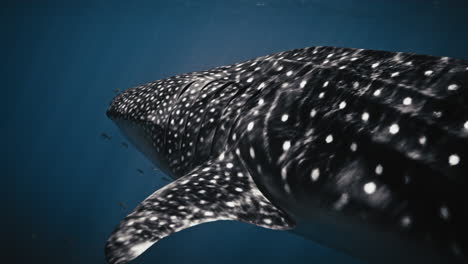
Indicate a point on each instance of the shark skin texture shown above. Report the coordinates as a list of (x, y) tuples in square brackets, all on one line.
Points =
[(364, 151)]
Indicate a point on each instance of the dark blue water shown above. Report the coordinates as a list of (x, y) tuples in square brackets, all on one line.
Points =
[(61, 62)]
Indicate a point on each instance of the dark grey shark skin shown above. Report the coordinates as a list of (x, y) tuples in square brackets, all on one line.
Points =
[(362, 150)]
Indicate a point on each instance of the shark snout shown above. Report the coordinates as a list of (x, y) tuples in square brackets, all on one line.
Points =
[(132, 104)]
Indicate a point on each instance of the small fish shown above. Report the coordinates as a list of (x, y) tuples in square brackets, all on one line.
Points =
[(122, 205), (116, 91), (141, 171), (166, 179), (124, 144), (105, 136)]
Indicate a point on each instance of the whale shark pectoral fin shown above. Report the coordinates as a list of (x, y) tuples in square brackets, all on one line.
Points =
[(217, 190)]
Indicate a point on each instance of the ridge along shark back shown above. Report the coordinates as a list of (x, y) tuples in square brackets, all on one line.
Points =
[(361, 150)]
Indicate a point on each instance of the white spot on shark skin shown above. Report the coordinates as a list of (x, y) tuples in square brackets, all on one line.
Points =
[(344, 198), (284, 117), (394, 129), (313, 112), (405, 221), (395, 74), (250, 126), (325, 84), (466, 125), (208, 213), (453, 87), (365, 116), (444, 212), (303, 83), (230, 204), (370, 187), (315, 174), (375, 65), (353, 147), (221, 156), (377, 92), (289, 73), (379, 169), (329, 138), (286, 145), (428, 73), (422, 140), (407, 101), (342, 105), (252, 153), (284, 173), (454, 159), (250, 80)]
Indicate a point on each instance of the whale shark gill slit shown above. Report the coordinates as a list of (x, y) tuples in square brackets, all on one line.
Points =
[(191, 93), (216, 135), (197, 118), (167, 126), (223, 86), (185, 88), (212, 118)]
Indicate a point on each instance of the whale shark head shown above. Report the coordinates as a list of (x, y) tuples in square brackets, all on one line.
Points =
[(142, 112), (364, 151)]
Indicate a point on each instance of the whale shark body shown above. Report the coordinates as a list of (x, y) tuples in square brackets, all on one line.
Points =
[(365, 151)]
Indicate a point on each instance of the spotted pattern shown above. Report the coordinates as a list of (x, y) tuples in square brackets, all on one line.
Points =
[(382, 136), (382, 146), (217, 190)]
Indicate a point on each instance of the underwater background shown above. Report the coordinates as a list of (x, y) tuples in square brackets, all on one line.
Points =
[(67, 185)]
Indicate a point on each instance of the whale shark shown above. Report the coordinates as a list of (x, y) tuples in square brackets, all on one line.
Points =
[(365, 151)]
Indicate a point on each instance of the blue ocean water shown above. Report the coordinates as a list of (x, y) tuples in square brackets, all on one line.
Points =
[(62, 62)]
